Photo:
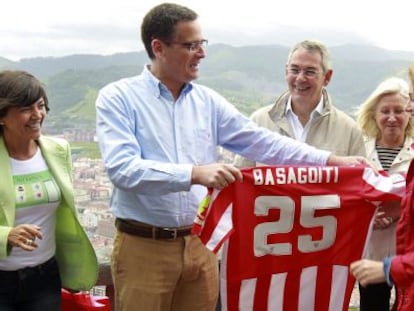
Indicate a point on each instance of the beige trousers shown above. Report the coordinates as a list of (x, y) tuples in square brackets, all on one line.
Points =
[(163, 275)]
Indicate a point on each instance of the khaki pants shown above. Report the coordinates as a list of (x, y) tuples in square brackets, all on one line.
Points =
[(163, 275)]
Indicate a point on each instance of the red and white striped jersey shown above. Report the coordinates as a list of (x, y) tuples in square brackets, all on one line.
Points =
[(290, 234)]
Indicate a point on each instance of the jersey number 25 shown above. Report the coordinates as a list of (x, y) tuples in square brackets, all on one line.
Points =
[(285, 223)]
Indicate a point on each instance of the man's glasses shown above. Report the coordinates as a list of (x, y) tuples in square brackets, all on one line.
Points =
[(309, 73), (192, 46)]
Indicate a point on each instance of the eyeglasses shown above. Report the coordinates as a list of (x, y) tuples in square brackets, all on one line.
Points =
[(192, 46), (411, 97), (309, 73)]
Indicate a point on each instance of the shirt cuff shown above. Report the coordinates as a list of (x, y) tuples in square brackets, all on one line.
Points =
[(387, 266)]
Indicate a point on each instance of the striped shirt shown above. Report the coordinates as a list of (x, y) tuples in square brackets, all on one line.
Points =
[(387, 155)]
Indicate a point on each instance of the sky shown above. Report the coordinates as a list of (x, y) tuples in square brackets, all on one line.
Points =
[(66, 27)]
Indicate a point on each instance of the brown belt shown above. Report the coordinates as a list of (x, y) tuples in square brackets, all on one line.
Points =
[(147, 231)]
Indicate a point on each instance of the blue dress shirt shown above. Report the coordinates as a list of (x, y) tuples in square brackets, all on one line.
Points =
[(150, 142)]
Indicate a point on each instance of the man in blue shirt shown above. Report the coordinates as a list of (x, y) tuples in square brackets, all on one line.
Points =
[(158, 134)]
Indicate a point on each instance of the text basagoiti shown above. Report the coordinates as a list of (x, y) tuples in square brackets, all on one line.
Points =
[(298, 175)]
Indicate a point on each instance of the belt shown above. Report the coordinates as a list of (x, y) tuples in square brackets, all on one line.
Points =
[(147, 231)]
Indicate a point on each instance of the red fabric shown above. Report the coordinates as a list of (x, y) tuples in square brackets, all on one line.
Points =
[(402, 265), (292, 233), (83, 301)]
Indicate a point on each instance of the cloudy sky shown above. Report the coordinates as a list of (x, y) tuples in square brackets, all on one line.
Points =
[(58, 28)]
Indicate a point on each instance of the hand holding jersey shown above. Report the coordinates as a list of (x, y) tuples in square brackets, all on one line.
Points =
[(292, 232)]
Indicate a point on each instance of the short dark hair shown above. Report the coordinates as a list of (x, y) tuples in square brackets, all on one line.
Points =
[(160, 23), (20, 89)]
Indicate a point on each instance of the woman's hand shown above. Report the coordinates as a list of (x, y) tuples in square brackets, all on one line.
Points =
[(387, 214), (24, 236), (368, 271)]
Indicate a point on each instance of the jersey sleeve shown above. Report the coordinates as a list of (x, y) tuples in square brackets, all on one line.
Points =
[(381, 186), (213, 223)]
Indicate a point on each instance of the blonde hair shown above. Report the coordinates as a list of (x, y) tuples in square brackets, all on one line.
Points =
[(411, 74), (366, 111)]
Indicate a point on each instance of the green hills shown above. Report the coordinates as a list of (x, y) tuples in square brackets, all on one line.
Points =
[(248, 76)]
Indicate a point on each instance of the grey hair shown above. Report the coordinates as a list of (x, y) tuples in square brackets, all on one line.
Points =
[(313, 46)]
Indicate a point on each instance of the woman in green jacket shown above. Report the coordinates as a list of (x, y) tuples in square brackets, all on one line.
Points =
[(42, 245)]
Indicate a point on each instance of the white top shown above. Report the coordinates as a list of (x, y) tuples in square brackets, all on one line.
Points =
[(300, 131), (382, 242), (37, 198)]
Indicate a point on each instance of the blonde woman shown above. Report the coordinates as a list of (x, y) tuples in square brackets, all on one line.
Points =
[(384, 268)]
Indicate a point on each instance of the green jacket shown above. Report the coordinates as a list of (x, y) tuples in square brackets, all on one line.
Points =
[(76, 257)]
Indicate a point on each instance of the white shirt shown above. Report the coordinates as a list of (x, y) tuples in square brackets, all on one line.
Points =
[(300, 131), (37, 199)]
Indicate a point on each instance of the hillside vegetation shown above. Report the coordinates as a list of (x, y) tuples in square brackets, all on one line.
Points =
[(248, 76)]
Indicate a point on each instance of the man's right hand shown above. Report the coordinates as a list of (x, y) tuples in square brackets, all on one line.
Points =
[(217, 175), (335, 160)]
